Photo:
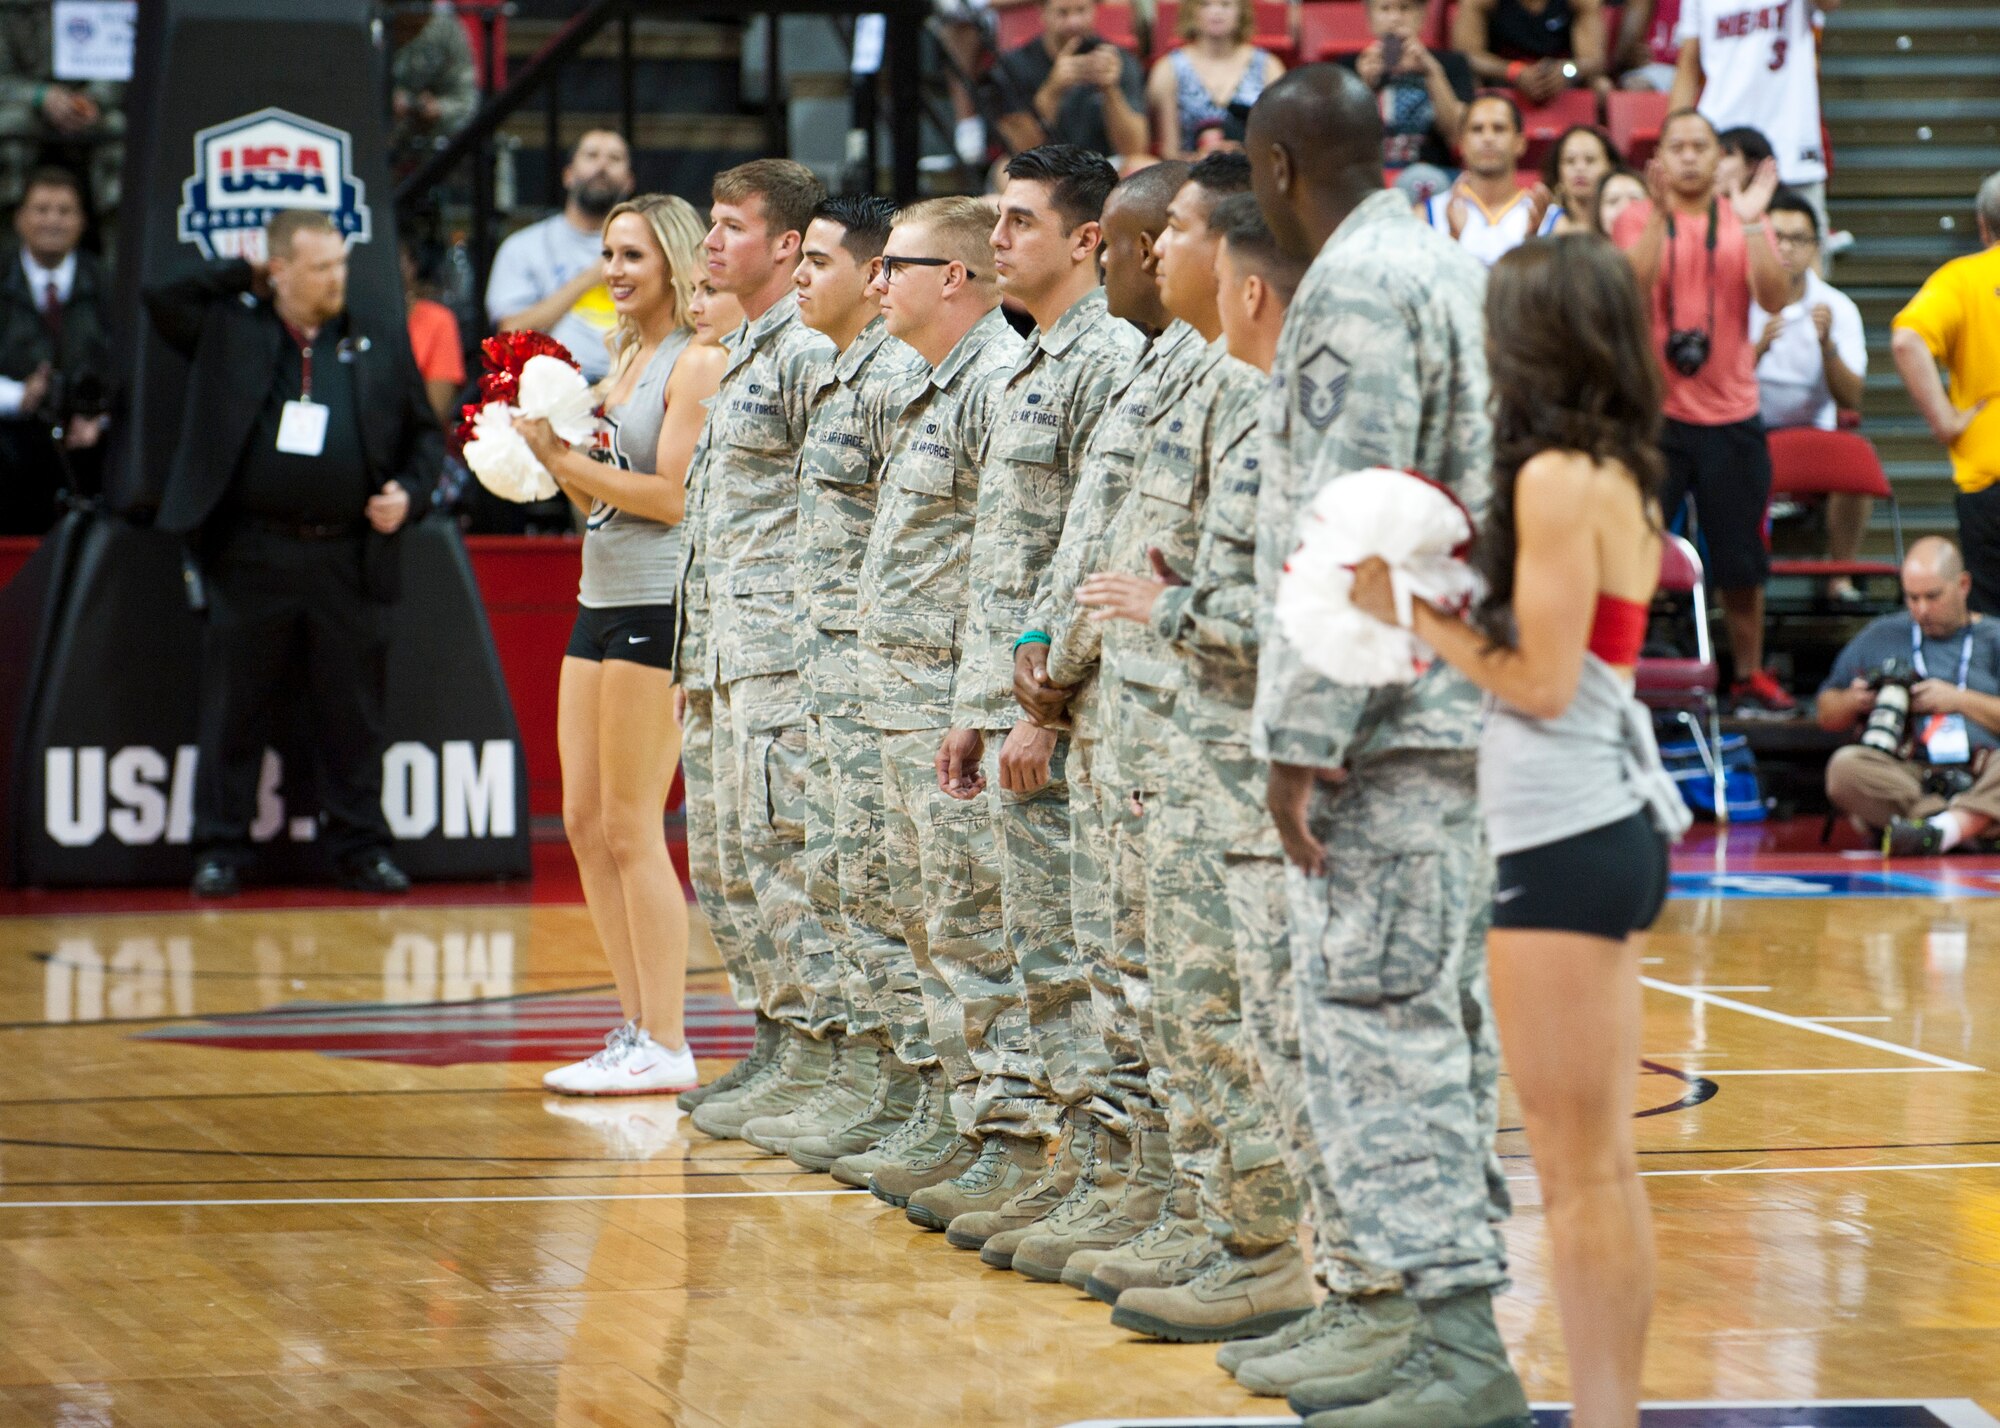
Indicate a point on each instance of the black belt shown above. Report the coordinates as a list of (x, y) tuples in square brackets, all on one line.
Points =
[(303, 530)]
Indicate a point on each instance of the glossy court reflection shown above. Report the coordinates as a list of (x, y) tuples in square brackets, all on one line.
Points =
[(285, 1164)]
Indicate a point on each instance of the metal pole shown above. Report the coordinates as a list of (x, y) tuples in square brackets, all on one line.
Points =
[(552, 194), (777, 138), (482, 219), (905, 70), (627, 96)]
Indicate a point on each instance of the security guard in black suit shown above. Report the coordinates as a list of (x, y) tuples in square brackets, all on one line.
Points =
[(306, 445)]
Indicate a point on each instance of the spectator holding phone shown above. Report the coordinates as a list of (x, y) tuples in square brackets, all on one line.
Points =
[(1071, 87), (1423, 92)]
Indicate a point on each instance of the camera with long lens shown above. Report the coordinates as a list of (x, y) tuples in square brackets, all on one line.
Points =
[(72, 396), (1889, 716), (1687, 350)]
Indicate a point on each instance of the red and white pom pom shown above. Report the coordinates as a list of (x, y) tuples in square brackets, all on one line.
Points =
[(529, 375), (1411, 522)]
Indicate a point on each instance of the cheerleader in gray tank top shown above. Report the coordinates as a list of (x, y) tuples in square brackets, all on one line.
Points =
[(615, 725), (1576, 804)]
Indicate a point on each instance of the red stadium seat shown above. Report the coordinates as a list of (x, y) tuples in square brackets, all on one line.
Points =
[(1436, 33), (1688, 688), (1634, 120), (1807, 463), (1332, 29), (1545, 123)]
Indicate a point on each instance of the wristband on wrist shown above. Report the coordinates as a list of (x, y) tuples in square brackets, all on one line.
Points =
[(1032, 637), (1515, 69)]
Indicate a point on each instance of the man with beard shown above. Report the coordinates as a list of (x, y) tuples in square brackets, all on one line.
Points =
[(549, 276)]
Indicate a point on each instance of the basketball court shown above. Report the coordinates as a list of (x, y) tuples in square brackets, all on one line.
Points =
[(290, 1162)]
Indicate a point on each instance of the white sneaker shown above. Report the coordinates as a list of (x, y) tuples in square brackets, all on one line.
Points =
[(617, 1042), (646, 1069)]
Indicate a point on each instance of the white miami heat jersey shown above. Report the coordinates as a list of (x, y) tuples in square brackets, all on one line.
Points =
[(1761, 68)]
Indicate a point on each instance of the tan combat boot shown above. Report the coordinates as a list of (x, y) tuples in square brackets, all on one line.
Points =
[(1174, 1249), (922, 1166), (851, 1074), (1100, 1175), (897, 1089), (1237, 1297), (795, 1078), (763, 1052), (1027, 1205), (1005, 1165), (1128, 1205), (928, 1124)]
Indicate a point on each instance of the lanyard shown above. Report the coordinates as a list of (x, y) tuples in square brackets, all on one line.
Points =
[(304, 345), (1917, 653)]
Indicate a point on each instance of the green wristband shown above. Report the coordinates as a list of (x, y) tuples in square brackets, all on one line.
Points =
[(1032, 637)]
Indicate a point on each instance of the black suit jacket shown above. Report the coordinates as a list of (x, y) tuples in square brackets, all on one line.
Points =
[(84, 354), (232, 339)]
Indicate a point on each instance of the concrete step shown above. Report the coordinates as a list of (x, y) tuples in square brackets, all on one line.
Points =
[(1897, 262), (1913, 217), (1940, 76), (1910, 170), (1916, 120), (1914, 34)]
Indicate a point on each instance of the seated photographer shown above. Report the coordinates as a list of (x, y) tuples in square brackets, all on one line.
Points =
[(1923, 688)]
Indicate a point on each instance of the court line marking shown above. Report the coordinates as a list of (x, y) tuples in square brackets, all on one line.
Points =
[(1697, 994), (1768, 1170), (1846, 1018), (425, 1200), (1848, 1071)]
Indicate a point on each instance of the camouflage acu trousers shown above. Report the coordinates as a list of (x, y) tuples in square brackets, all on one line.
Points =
[(850, 891), (760, 815), (819, 963), (944, 889), (1261, 922), (1059, 1033), (1113, 1074), (1146, 1107), (1397, 1032), (1248, 1197), (732, 922)]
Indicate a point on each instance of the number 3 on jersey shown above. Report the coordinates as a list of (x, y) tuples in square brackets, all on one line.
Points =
[(1778, 48)]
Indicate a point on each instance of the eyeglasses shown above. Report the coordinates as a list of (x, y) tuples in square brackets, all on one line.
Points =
[(890, 266), (1795, 240)]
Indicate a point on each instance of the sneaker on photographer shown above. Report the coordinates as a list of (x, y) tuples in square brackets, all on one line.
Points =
[(645, 1069), (1762, 694)]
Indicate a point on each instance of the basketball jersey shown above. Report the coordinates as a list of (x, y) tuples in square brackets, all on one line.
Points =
[(1761, 69), (1489, 234)]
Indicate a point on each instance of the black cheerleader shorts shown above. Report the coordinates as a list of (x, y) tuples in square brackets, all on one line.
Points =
[(1607, 882), (643, 634)]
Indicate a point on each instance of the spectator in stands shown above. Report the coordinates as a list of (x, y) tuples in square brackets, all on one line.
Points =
[(1644, 52), (306, 444), (1812, 358), (436, 87), (1486, 211), (1424, 94), (1540, 48), (55, 353), (965, 30), (1955, 320), (44, 121), (1940, 789), (1070, 87), (1201, 93), (1704, 261), (1758, 67), (1574, 168), (1616, 192), (434, 339), (549, 277)]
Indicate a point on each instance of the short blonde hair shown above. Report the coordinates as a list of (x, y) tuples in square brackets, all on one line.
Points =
[(1190, 18), (678, 230), (287, 224), (961, 228)]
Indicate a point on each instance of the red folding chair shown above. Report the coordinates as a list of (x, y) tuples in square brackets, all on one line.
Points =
[(1634, 120), (1688, 689), (1545, 123), (1810, 464), (1333, 29)]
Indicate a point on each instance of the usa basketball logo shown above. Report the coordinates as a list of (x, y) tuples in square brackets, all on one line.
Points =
[(251, 168)]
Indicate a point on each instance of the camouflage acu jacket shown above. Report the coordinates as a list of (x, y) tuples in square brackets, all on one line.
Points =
[(1381, 363)]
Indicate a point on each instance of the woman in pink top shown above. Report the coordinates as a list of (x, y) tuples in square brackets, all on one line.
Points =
[(1703, 260)]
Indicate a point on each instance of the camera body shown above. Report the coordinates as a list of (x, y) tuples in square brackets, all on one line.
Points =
[(1889, 717), (1687, 350)]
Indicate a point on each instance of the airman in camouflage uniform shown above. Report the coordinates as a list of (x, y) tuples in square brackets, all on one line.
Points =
[(939, 854), (853, 407), (1381, 363)]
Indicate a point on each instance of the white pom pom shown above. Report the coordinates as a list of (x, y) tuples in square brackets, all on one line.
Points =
[(551, 388), (1415, 525), (502, 461)]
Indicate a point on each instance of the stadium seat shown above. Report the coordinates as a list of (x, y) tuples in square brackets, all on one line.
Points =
[(1634, 120), (1545, 123), (1436, 33), (1688, 688), (1809, 464), (1332, 29)]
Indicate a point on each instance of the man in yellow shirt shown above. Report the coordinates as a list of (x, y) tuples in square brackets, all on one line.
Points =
[(1955, 320)]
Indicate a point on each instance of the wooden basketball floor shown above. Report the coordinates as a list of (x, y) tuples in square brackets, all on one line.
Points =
[(292, 1165)]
